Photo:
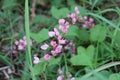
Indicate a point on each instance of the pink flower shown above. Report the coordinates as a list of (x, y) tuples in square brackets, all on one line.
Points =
[(56, 31), (53, 43), (51, 33), (61, 21), (85, 17), (69, 74), (61, 26), (60, 71), (20, 47), (91, 19), (84, 25), (62, 41), (36, 60), (72, 78), (58, 49), (24, 38), (67, 47), (44, 47), (92, 25), (76, 10), (16, 42), (59, 37), (53, 53), (87, 22), (15, 52), (64, 29), (47, 57), (60, 77), (74, 20), (66, 23), (72, 15), (73, 49), (68, 15)]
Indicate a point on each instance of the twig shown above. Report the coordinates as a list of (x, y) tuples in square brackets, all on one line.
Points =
[(3, 68), (6, 75)]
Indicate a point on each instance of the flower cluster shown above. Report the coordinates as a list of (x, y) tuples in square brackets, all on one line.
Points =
[(21, 45), (74, 16), (61, 76), (86, 22)]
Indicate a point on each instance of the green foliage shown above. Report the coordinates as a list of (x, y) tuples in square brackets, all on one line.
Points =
[(73, 31), (98, 33), (39, 68), (84, 56), (84, 35), (8, 4), (115, 76), (47, 21), (59, 13), (40, 36), (54, 61), (5, 60)]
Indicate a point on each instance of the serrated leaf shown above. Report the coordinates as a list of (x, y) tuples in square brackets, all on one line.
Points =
[(98, 33), (40, 36), (115, 76)]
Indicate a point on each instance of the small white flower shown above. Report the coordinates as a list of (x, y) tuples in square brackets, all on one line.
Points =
[(36, 60), (44, 47)]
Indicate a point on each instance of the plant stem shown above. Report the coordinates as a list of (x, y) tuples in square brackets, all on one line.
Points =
[(99, 69), (27, 29), (66, 66)]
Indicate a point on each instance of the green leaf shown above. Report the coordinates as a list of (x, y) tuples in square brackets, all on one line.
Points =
[(59, 13), (80, 60), (73, 31), (54, 61), (8, 4), (40, 36), (98, 33), (84, 56), (5, 60), (39, 68), (114, 76), (44, 20), (84, 35)]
